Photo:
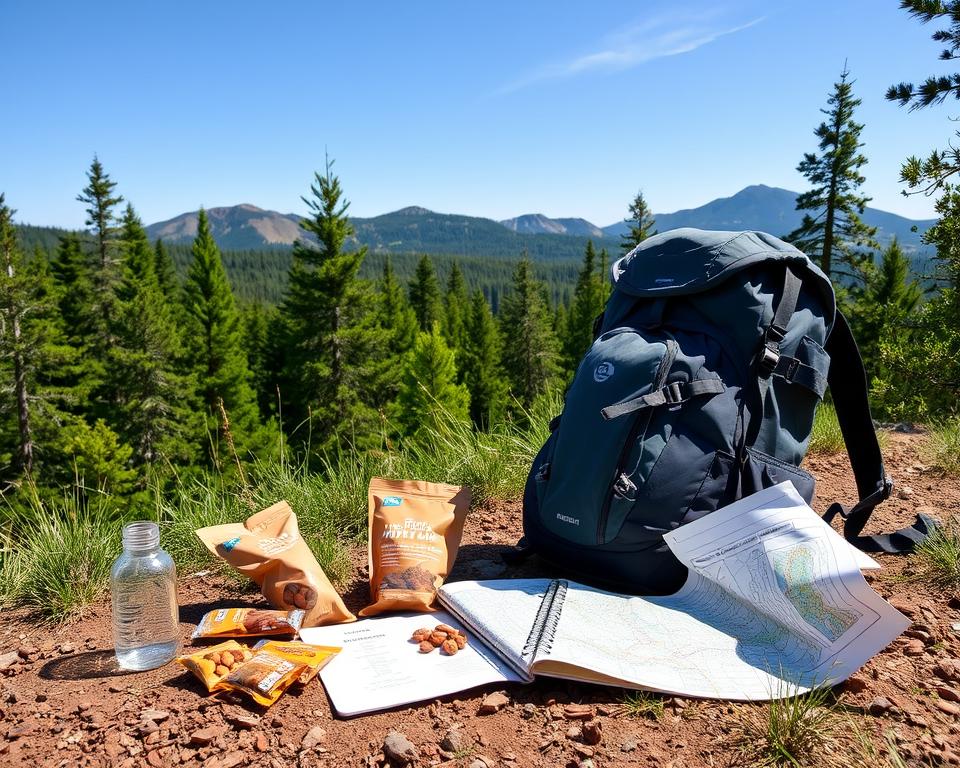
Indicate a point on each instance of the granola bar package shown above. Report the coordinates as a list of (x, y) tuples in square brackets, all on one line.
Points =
[(414, 534), (211, 665), (247, 622), (314, 656), (264, 677), (269, 549)]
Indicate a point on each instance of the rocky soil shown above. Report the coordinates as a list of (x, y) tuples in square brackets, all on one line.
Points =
[(64, 703)]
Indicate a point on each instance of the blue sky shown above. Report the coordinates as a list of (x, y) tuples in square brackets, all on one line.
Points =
[(491, 109)]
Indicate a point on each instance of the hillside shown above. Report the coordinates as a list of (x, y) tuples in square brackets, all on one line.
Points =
[(418, 230)]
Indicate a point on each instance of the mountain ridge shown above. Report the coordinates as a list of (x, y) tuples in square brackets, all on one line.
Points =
[(414, 228)]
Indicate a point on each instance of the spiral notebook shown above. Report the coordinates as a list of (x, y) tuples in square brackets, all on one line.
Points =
[(774, 604)]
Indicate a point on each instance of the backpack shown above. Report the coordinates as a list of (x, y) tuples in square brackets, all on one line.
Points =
[(708, 364)]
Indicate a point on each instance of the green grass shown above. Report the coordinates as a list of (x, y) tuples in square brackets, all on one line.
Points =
[(937, 559), (826, 437), (796, 730), (56, 557), (942, 447), (642, 704)]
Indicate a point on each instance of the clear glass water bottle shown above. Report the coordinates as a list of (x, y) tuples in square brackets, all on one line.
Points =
[(143, 590)]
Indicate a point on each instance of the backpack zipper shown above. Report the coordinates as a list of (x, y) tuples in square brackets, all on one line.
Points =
[(666, 363)]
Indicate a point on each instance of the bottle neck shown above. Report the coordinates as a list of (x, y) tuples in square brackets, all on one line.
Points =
[(140, 538)]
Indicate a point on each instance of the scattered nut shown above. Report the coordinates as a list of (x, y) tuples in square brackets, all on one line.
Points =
[(437, 638), (426, 646), (450, 646), (421, 634)]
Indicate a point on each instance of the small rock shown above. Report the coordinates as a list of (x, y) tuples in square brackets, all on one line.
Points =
[(947, 694), (243, 722), (947, 707), (588, 763), (398, 748), (67, 648), (493, 702), (9, 659), (914, 647), (156, 715), (592, 732), (260, 743), (205, 736), (276, 722), (583, 750), (116, 688), (455, 741), (231, 760), (478, 763), (948, 669), (906, 607), (608, 710), (26, 651), (574, 732), (528, 711), (905, 492), (577, 712), (154, 759), (879, 706), (855, 685), (629, 745), (313, 738), (41, 697)]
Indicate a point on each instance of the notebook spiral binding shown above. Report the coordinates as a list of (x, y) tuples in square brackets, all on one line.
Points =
[(545, 624)]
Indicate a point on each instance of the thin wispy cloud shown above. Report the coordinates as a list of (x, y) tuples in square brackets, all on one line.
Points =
[(667, 35)]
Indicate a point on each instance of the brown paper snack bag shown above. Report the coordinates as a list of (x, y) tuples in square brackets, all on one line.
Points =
[(414, 534), (269, 549)]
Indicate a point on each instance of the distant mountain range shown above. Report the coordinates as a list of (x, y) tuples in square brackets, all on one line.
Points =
[(414, 229)]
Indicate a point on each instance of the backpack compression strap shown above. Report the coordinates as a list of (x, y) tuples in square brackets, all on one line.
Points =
[(848, 384)]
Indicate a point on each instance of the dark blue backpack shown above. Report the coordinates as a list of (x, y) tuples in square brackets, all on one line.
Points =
[(709, 361)]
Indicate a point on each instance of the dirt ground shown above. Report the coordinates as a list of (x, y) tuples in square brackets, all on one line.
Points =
[(64, 703)]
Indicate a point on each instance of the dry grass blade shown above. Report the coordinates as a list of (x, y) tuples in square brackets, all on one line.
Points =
[(796, 730), (641, 704), (938, 558)]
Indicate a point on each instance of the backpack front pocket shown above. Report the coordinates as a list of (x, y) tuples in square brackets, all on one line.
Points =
[(591, 447)]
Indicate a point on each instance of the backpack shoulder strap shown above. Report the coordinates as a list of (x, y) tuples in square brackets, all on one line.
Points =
[(848, 384)]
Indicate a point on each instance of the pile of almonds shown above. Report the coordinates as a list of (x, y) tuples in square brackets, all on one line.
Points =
[(443, 636), (224, 662)]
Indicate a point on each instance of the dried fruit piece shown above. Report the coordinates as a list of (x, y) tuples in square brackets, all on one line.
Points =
[(461, 641), (421, 634), (446, 628), (450, 647), (437, 638), (426, 646)]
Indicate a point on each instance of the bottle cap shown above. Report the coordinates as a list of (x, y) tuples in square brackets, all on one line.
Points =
[(141, 535)]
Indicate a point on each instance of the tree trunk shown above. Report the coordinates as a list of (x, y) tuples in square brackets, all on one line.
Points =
[(25, 448)]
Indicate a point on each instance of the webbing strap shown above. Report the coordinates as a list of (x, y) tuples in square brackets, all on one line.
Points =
[(848, 385), (671, 394), (792, 370), (769, 354)]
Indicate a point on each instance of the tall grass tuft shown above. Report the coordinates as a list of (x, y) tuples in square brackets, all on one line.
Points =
[(57, 555), (938, 558), (826, 437), (796, 730), (942, 447)]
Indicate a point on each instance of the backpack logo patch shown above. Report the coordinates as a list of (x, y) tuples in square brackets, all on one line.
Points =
[(603, 372)]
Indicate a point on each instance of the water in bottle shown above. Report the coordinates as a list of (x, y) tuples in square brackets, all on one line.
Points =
[(143, 589)]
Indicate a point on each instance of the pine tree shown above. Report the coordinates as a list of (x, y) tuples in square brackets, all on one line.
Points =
[(396, 315), (835, 226), (99, 196), (32, 348), (72, 276), (480, 370), (425, 295), (214, 336), (883, 303), (640, 223), (430, 394), (334, 343), (530, 348), (587, 304), (931, 173), (604, 275), (456, 305), (151, 403), (15, 302), (166, 273)]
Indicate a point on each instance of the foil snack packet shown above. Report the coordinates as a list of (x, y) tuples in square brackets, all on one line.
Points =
[(414, 534), (268, 548), (315, 657), (264, 677), (247, 622), (211, 665)]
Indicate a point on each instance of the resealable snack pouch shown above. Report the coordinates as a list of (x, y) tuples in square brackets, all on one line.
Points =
[(414, 534), (315, 657), (248, 622), (211, 665), (269, 549), (264, 677)]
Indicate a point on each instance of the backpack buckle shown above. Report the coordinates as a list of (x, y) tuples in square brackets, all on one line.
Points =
[(769, 358)]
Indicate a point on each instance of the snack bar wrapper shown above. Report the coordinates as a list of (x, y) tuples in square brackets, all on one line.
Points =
[(269, 549), (414, 534)]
